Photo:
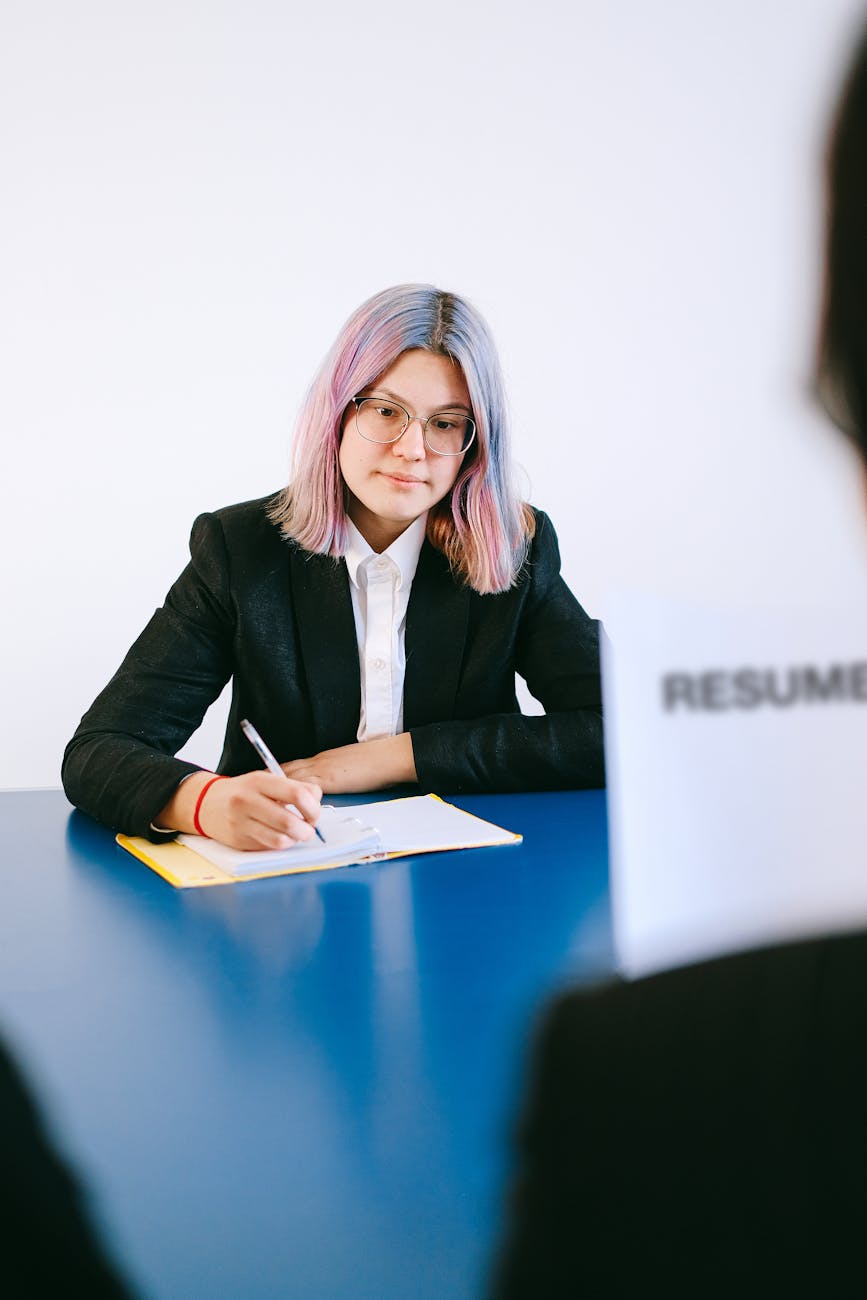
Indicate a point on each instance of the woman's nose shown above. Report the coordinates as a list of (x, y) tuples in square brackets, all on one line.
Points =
[(411, 444)]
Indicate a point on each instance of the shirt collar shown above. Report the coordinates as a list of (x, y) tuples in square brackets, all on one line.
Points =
[(403, 552)]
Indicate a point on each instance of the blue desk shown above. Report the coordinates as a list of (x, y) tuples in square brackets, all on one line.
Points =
[(294, 1087)]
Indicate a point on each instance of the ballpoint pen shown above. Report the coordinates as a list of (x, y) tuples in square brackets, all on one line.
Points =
[(269, 760)]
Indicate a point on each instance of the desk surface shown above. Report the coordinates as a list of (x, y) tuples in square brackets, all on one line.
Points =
[(302, 1086)]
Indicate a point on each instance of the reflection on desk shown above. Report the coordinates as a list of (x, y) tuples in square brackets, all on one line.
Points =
[(300, 1086)]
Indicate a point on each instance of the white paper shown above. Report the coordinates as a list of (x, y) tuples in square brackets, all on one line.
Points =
[(417, 824), (733, 822), (422, 823)]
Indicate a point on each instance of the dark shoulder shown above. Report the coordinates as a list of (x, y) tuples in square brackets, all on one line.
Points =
[(544, 534), (543, 551), (244, 526), (716, 999), (239, 544), (246, 516)]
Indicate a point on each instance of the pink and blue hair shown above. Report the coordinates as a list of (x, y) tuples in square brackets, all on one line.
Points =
[(481, 527)]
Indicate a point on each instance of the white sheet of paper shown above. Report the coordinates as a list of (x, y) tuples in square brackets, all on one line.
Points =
[(419, 823), (734, 821)]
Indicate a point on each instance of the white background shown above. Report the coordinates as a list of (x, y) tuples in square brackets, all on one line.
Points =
[(195, 196)]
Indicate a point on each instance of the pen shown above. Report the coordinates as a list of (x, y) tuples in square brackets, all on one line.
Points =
[(268, 759)]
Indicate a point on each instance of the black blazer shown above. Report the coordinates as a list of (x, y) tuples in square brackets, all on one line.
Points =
[(278, 620), (699, 1133)]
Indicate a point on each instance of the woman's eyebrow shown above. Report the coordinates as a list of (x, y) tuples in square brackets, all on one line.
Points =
[(401, 401)]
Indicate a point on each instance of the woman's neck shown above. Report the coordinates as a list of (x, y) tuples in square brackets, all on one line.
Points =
[(379, 533)]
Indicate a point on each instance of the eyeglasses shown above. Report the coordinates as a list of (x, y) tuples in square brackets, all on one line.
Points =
[(447, 433)]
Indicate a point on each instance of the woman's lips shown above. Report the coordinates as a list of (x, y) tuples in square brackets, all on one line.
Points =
[(403, 480)]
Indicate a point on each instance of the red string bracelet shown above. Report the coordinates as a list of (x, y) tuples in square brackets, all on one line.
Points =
[(204, 790)]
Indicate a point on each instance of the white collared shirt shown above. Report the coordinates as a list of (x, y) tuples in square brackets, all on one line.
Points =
[(379, 586)]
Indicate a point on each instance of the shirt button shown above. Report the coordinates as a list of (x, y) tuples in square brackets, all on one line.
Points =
[(379, 663), (382, 564)]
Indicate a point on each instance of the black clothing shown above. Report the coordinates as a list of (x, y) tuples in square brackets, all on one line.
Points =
[(278, 620)]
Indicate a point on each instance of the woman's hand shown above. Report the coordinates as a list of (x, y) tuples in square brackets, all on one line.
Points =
[(246, 812), (353, 769)]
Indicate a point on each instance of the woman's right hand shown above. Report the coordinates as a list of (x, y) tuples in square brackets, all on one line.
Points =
[(245, 812)]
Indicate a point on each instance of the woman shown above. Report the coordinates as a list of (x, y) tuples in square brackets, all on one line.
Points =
[(372, 616)]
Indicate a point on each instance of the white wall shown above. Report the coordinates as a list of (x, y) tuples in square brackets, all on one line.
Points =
[(196, 195)]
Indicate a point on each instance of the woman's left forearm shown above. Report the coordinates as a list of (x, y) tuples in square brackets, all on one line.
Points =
[(511, 751)]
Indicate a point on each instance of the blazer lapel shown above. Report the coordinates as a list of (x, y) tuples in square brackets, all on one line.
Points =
[(329, 649), (436, 630)]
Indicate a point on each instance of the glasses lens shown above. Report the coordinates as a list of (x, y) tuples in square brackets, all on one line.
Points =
[(380, 421), (449, 433)]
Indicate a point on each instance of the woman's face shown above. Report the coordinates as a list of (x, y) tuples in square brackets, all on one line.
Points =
[(391, 484)]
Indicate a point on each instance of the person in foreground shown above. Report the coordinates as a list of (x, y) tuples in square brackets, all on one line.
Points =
[(372, 615), (49, 1246), (704, 1131)]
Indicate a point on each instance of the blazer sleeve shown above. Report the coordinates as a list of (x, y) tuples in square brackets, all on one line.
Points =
[(119, 766), (557, 654)]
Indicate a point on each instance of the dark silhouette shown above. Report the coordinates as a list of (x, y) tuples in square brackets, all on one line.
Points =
[(704, 1131), (47, 1244)]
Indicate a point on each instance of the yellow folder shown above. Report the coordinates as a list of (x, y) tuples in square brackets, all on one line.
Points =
[(416, 824)]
